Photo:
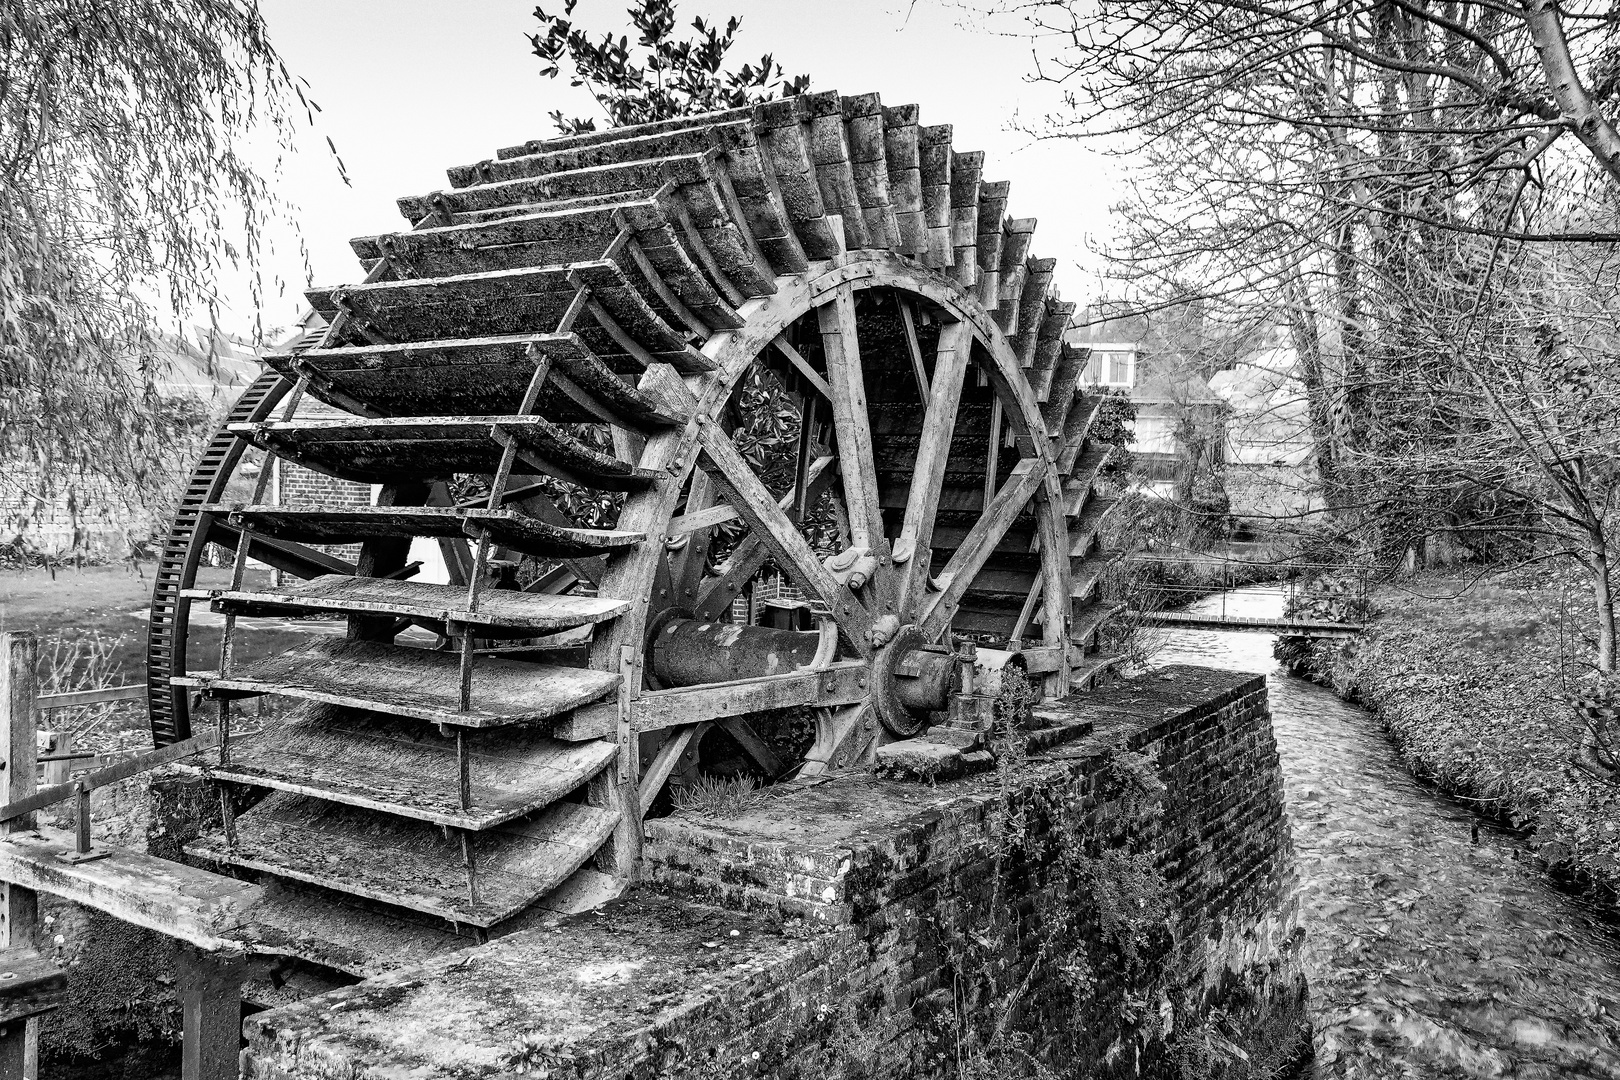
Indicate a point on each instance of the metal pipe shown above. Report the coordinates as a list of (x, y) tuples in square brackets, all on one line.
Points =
[(924, 680), (687, 652)]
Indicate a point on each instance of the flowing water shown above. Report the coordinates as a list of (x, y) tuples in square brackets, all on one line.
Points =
[(1432, 951)]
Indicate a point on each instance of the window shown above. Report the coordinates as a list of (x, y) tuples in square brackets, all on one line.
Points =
[(1111, 365)]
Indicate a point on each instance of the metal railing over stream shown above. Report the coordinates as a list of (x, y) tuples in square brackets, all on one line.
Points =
[(1335, 612)]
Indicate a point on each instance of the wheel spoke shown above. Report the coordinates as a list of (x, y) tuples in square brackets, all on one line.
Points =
[(908, 323), (1055, 609), (689, 561), (939, 425), (803, 367), (771, 524), (716, 596), (850, 422), (981, 541)]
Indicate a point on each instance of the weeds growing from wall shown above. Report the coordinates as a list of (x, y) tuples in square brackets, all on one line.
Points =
[(719, 797)]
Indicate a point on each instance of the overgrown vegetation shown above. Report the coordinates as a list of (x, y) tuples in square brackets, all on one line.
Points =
[(1475, 685)]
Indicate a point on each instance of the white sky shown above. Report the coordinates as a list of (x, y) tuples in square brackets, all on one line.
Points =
[(409, 88)]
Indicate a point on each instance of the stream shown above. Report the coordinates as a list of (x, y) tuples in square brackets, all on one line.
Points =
[(1431, 951)]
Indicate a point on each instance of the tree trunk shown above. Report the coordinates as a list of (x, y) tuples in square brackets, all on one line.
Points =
[(1580, 113), (1603, 593), (1318, 399)]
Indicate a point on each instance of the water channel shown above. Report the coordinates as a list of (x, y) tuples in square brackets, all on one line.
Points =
[(1432, 951)]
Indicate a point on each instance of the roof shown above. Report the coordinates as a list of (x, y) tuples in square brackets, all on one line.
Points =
[(1173, 388)]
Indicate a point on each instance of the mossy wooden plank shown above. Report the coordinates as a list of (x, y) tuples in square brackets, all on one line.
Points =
[(400, 449), (549, 237), (171, 898), (594, 182), (634, 131), (399, 767), (696, 140), (473, 376), (524, 612), (343, 525), (30, 984), (412, 864), (412, 682), (530, 299)]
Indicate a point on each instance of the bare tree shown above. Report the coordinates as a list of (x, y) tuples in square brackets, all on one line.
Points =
[(1424, 194)]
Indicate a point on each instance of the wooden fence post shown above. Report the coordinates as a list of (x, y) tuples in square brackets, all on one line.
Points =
[(19, 922), (210, 990)]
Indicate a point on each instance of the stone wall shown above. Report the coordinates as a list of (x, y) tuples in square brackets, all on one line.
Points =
[(1084, 907)]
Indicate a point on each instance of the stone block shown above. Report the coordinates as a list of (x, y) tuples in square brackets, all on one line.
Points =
[(920, 759)]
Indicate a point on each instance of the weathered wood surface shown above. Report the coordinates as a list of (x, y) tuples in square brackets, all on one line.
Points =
[(210, 991), (170, 898), (103, 696), (412, 864), (664, 761), (30, 984), (838, 684), (19, 919), (501, 302), (345, 933), (345, 525), (395, 766), (19, 809), (921, 503), (438, 447), (964, 565), (472, 376), (413, 682), (531, 613)]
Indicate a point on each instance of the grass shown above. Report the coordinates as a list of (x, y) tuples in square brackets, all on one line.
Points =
[(719, 797), (91, 625), (1473, 683)]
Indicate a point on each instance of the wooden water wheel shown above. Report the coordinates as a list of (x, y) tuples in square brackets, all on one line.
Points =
[(618, 377)]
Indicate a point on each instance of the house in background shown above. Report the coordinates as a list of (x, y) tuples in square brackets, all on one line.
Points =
[(1178, 417), (1211, 400)]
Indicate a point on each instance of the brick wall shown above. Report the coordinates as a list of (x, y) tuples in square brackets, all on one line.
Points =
[(297, 486), (869, 927), (89, 516)]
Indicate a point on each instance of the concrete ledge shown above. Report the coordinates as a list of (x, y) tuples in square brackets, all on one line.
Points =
[(643, 979)]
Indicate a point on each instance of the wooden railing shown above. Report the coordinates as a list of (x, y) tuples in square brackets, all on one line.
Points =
[(30, 983)]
